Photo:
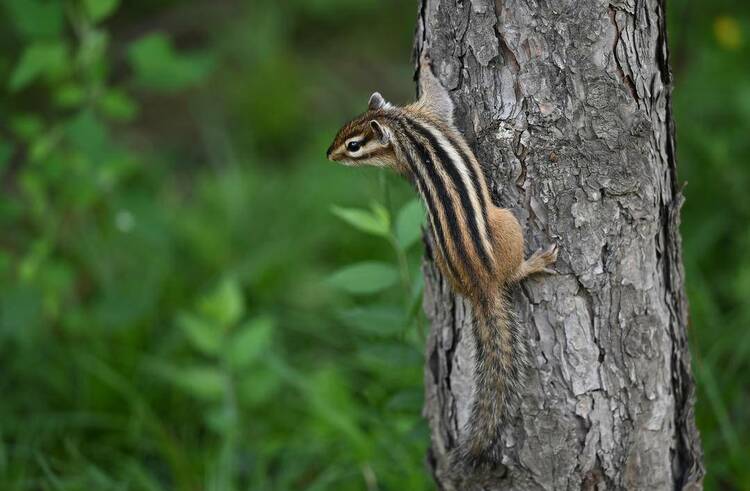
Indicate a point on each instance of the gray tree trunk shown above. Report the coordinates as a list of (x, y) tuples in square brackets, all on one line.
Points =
[(567, 104)]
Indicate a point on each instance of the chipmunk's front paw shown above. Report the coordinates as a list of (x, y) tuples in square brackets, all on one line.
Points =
[(543, 258), (549, 256)]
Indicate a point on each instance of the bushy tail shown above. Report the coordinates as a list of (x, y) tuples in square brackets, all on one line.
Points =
[(502, 361)]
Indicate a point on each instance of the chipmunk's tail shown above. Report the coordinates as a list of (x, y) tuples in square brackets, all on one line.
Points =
[(502, 361)]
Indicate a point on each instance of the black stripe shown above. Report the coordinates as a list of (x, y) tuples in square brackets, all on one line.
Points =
[(442, 195), (431, 204), (463, 192), (474, 176)]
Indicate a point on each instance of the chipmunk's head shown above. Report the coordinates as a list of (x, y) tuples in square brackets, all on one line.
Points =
[(367, 139)]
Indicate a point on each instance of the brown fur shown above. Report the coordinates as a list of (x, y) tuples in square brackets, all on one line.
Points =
[(501, 349)]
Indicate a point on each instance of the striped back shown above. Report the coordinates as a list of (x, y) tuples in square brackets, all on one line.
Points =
[(453, 187)]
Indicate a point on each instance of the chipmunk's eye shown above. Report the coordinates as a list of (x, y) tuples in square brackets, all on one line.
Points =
[(353, 146)]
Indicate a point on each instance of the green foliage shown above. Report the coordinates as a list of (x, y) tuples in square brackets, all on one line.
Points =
[(375, 221), (99, 10), (710, 53), (42, 58), (157, 66), (179, 308), (35, 18), (165, 311), (408, 223), (364, 277)]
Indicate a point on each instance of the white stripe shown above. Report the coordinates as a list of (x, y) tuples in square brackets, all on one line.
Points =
[(444, 231), (463, 171)]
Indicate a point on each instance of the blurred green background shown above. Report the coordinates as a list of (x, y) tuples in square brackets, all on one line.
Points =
[(192, 298)]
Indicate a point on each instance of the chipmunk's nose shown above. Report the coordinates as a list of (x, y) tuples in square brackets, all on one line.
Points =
[(329, 153)]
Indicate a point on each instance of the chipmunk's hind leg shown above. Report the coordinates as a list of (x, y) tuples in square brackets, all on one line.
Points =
[(537, 263)]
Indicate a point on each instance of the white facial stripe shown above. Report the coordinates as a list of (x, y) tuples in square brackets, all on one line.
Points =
[(368, 147), (357, 138)]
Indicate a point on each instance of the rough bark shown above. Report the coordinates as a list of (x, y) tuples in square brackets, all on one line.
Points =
[(567, 104)]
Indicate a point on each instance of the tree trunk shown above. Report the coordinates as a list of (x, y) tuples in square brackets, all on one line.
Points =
[(567, 104)]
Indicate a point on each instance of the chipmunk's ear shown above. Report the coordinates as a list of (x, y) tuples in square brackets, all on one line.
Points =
[(381, 132), (377, 102)]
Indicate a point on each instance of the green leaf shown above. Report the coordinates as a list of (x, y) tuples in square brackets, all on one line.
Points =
[(380, 320), (258, 386), (159, 67), (381, 213), (332, 403), (27, 126), (252, 340), (205, 382), (409, 223), (364, 278), (375, 221), (34, 260), (226, 304), (386, 354), (44, 145), (98, 10), (203, 336), (36, 18), (222, 419), (39, 58), (69, 95), (417, 291), (118, 105), (87, 133)]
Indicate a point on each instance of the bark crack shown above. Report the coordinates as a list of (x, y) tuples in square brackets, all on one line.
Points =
[(626, 78)]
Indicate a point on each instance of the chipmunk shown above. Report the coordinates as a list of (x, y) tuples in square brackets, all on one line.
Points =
[(478, 246)]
